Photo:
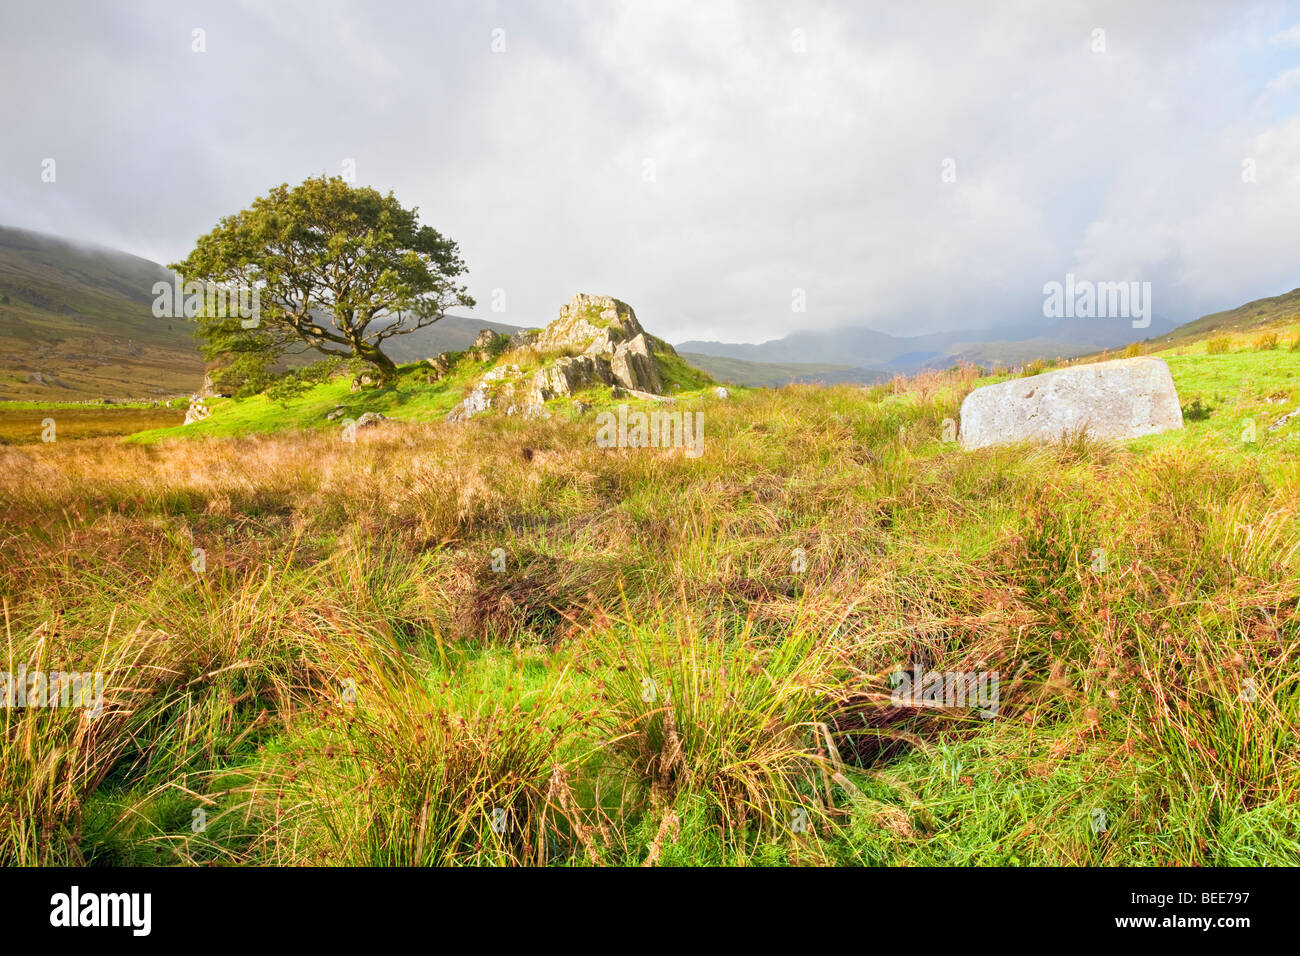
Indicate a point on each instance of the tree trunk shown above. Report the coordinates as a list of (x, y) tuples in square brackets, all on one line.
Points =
[(375, 356)]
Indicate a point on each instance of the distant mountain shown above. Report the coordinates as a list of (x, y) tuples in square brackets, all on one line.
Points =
[(451, 333), (76, 322), (872, 353), (734, 371)]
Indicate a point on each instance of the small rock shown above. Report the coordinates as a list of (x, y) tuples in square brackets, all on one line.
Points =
[(721, 392), (337, 413), (440, 364), (1283, 420), (367, 420), (197, 412), (524, 338), (475, 403)]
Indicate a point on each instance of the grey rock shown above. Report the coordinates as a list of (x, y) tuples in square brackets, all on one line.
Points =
[(567, 375), (197, 412), (721, 392), (440, 364), (594, 323), (1124, 398), (634, 367), (1281, 422), (479, 400), (367, 420), (336, 413), (46, 381), (524, 338)]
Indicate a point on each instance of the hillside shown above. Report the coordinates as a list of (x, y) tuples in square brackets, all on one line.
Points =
[(1278, 310), (771, 374), (76, 322)]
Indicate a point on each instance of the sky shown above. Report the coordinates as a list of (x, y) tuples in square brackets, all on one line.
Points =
[(734, 170)]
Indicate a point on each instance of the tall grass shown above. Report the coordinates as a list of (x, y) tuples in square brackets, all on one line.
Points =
[(674, 661)]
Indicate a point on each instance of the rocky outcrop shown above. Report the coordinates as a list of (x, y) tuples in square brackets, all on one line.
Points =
[(496, 389), (565, 376), (525, 338), (605, 330), (1125, 398), (594, 323), (440, 366), (596, 340), (633, 366), (197, 412), (486, 344), (45, 381)]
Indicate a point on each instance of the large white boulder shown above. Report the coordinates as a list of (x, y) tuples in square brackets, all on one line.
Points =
[(1125, 398)]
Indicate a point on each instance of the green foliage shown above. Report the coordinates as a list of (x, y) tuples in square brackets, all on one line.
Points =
[(1196, 410), (297, 382), (243, 373), (1219, 345), (326, 246)]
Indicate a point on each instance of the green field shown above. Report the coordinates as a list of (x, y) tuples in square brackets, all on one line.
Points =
[(497, 643)]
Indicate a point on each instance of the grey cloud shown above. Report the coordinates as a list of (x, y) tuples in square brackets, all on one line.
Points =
[(773, 169)]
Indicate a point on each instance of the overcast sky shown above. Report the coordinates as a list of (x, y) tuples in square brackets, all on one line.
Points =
[(701, 160)]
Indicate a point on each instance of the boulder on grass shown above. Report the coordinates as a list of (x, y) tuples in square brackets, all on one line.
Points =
[(196, 412), (1125, 398)]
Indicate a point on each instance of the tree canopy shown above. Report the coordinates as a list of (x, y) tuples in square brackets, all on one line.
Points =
[(336, 268)]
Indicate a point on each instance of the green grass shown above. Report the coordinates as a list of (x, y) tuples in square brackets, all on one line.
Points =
[(680, 661), (409, 399)]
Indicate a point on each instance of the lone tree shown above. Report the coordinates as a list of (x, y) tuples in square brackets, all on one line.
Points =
[(335, 267)]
